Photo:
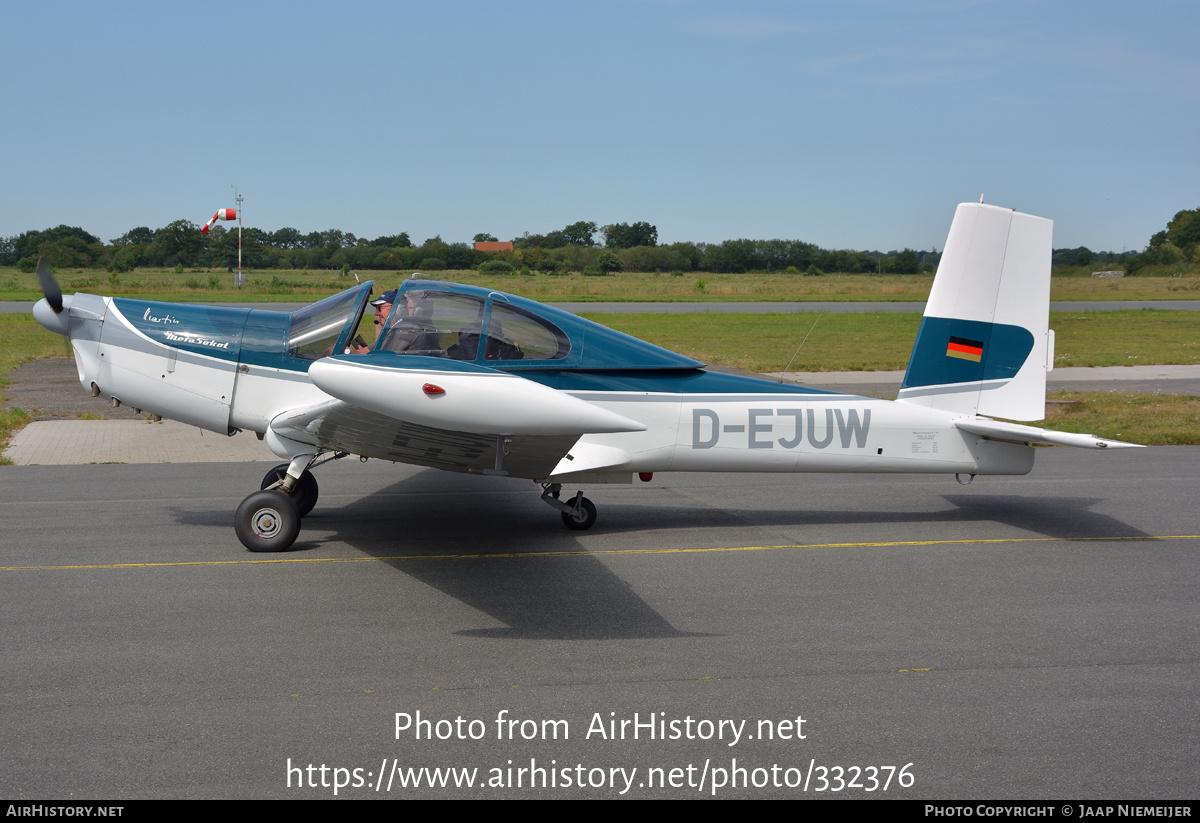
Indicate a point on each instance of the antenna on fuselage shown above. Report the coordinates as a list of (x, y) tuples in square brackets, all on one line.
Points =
[(802, 342)]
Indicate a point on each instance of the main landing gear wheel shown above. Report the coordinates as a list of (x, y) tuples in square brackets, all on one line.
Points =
[(581, 518), (304, 495), (267, 521)]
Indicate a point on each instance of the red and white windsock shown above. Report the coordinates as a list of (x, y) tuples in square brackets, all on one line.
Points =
[(222, 214)]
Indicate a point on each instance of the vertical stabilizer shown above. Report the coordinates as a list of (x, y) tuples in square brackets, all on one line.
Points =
[(982, 345)]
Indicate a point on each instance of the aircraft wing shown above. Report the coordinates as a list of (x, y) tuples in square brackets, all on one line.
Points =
[(443, 414), (460, 396), (1016, 433), (339, 426)]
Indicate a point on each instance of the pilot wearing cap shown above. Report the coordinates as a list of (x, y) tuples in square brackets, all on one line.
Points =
[(383, 307)]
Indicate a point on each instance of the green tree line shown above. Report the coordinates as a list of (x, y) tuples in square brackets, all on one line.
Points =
[(1177, 247), (622, 247)]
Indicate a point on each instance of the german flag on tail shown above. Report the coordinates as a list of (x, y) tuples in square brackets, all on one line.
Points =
[(965, 349)]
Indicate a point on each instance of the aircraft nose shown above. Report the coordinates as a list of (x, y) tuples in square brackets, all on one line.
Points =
[(57, 322)]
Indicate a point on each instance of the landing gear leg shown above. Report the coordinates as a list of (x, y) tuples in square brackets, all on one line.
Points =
[(304, 491), (264, 521), (578, 515), (269, 520)]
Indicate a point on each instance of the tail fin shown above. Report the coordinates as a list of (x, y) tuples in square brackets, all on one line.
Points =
[(984, 345)]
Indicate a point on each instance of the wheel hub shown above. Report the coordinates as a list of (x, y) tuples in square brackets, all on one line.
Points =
[(267, 523)]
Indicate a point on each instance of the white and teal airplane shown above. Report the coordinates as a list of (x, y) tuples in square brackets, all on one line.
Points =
[(471, 380)]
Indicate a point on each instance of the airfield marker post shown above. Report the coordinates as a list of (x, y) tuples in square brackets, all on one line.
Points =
[(241, 278)]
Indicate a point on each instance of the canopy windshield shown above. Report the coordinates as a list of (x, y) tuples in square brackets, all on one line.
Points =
[(324, 327)]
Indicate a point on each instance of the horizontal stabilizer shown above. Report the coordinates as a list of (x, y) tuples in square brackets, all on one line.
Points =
[(1016, 433), (460, 397)]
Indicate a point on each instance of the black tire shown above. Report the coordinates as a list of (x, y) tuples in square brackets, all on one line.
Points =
[(267, 521), (582, 518), (304, 495)]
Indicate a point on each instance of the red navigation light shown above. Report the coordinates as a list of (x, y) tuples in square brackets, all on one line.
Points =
[(432, 390), (645, 477)]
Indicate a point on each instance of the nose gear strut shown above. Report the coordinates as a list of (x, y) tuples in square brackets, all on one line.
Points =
[(578, 515)]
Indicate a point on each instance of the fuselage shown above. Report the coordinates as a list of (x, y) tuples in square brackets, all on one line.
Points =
[(230, 369)]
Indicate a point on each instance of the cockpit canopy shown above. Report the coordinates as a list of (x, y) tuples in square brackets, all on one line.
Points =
[(441, 323), (472, 324), (465, 323)]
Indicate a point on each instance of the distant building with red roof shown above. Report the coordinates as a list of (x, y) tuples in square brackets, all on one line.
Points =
[(494, 245)]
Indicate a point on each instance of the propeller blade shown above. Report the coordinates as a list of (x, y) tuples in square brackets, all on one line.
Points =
[(50, 289)]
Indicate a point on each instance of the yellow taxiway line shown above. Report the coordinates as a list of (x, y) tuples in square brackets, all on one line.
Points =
[(603, 552)]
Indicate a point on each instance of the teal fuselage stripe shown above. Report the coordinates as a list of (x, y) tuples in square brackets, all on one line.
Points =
[(673, 381), (1005, 350), (251, 336)]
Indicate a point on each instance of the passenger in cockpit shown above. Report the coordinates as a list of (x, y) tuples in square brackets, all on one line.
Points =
[(467, 346), (500, 347)]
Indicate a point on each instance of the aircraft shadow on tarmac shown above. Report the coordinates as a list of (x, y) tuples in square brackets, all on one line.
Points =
[(425, 534), (1060, 517), (423, 526)]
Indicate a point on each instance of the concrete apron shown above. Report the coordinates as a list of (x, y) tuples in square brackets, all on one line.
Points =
[(74, 442)]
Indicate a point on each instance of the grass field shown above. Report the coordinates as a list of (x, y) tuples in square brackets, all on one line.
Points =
[(300, 286), (1149, 419), (881, 342)]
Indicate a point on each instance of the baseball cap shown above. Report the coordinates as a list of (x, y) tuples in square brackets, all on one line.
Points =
[(387, 297)]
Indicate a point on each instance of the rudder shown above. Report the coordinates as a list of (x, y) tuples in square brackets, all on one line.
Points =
[(984, 342)]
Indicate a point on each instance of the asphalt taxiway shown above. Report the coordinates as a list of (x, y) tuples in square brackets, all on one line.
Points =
[(1027, 637)]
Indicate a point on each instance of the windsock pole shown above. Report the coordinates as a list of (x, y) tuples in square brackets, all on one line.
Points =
[(241, 279)]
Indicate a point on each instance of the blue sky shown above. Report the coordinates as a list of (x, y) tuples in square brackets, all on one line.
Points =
[(846, 124)]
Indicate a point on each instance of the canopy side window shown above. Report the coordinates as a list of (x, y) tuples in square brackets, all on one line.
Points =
[(515, 334), (434, 324), (315, 329)]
